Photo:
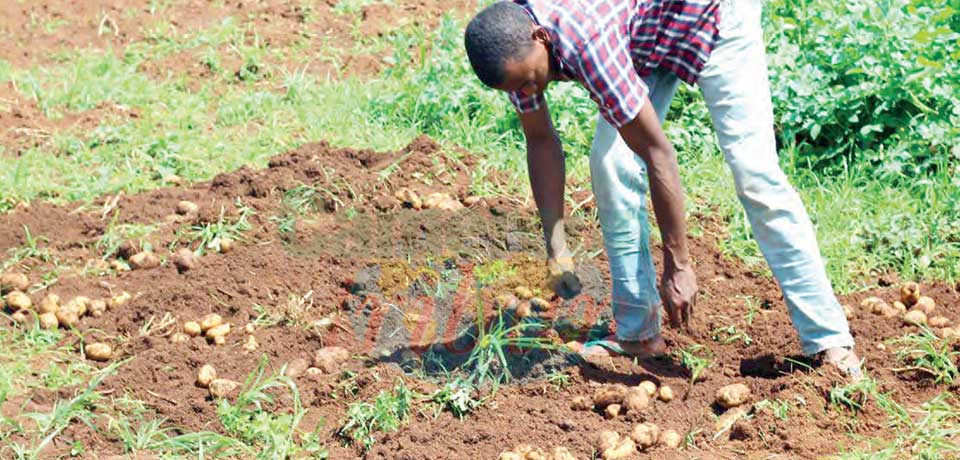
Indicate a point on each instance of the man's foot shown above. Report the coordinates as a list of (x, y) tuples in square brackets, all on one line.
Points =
[(610, 346), (844, 359)]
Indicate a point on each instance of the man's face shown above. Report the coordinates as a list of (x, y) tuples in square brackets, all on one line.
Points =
[(530, 74)]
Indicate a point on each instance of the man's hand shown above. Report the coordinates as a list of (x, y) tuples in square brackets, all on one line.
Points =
[(562, 277), (678, 290)]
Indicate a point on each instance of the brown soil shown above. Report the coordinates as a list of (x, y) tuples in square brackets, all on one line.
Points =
[(398, 284)]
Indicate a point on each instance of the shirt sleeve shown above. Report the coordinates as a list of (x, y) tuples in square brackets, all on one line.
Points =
[(606, 70), (526, 104)]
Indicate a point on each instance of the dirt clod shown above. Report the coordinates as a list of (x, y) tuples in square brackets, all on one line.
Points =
[(581, 403), (328, 359), (296, 368), (184, 260)]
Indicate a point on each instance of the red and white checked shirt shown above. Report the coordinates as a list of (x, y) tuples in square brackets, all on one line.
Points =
[(608, 45)]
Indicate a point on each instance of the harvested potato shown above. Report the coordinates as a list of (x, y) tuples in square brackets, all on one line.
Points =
[(49, 321), (210, 321), (539, 304), (510, 455), (442, 201), (506, 301), (179, 337), (523, 292), (925, 304), (220, 340), (221, 388), (938, 321), (251, 344), (874, 305), (17, 300), (733, 395), (606, 440), (314, 372), (98, 351), (671, 439), (187, 207), (636, 399), (472, 200), (328, 359), (13, 282), (649, 386), (581, 403), (625, 448), (218, 331), (529, 452), (184, 260), (728, 418), (645, 435), (561, 453), (950, 334), (408, 198), (19, 316), (144, 261), (296, 368), (891, 312), (899, 307), (250, 328), (665, 394), (206, 375), (915, 317), (609, 394), (909, 293), (67, 317), (226, 245), (848, 311), (612, 411), (49, 304), (119, 300), (192, 328), (524, 310), (97, 308)]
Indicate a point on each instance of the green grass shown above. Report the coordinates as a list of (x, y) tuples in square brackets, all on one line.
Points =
[(929, 355), (388, 412)]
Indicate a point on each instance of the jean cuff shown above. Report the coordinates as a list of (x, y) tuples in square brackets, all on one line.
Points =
[(811, 348)]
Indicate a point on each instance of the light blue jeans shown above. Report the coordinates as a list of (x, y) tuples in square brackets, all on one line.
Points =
[(736, 90)]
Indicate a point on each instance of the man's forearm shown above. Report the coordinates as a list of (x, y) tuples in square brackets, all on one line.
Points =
[(666, 193), (547, 176)]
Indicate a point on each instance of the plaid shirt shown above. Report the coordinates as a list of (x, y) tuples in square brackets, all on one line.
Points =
[(608, 45)]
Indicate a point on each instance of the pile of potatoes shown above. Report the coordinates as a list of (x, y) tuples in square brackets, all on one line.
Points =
[(613, 446), (612, 400), (913, 309), (52, 312), (528, 452), (211, 326), (438, 200), (218, 387), (523, 301)]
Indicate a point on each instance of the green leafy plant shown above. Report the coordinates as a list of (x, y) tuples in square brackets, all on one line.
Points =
[(930, 355), (388, 411), (696, 359)]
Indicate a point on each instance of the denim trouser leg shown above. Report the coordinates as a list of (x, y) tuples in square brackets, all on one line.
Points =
[(736, 89), (619, 181)]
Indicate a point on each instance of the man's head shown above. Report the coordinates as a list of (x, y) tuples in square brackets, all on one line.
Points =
[(507, 50)]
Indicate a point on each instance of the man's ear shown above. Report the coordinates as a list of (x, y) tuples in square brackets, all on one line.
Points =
[(540, 34)]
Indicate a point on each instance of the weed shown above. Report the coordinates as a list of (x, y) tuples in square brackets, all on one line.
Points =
[(30, 250), (696, 359), (779, 407), (386, 413), (855, 395), (116, 234), (208, 236), (730, 334), (457, 396), (930, 355), (490, 273)]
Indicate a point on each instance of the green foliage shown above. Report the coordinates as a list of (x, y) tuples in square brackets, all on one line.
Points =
[(386, 413), (930, 355), (209, 235), (491, 272), (868, 81), (116, 234), (696, 359), (458, 396)]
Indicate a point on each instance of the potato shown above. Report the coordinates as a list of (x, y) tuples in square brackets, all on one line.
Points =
[(909, 293), (13, 282), (899, 307), (581, 403), (49, 304), (625, 448), (250, 328), (184, 260), (296, 368), (610, 394), (206, 375), (97, 308), (645, 435), (950, 334), (733, 395), (671, 439), (529, 452), (328, 359), (409, 198), (510, 455), (20, 316), (187, 207), (728, 418), (179, 337), (221, 388), (506, 301), (636, 399), (67, 317), (17, 300), (98, 351), (665, 394), (49, 321), (119, 300), (314, 372), (251, 344), (938, 321), (612, 411), (891, 312), (561, 453), (915, 317), (539, 304), (524, 310), (925, 304), (144, 261), (442, 201), (606, 440), (472, 200), (226, 245), (874, 305), (848, 311), (523, 292), (650, 387), (218, 331), (210, 321), (220, 340), (192, 328)]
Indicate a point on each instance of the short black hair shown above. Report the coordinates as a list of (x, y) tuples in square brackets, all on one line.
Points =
[(502, 31)]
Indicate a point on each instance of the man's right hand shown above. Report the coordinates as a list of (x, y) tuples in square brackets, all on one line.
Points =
[(562, 277)]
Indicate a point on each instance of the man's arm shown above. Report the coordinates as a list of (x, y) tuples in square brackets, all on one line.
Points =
[(545, 166), (645, 137)]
